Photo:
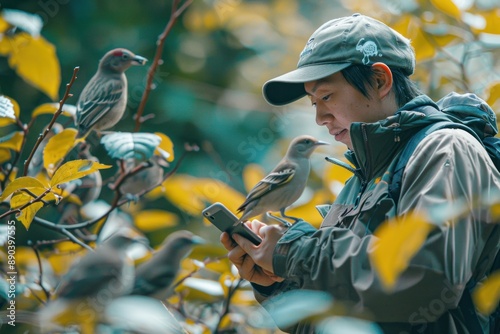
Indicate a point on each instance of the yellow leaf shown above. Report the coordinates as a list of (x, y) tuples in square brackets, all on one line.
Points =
[(448, 7), (4, 156), (308, 210), (24, 182), (492, 20), (57, 148), (213, 190), (152, 220), (8, 121), (26, 216), (15, 142), (6, 46), (493, 93), (75, 169), (35, 60), (252, 174), (4, 25), (411, 28), (398, 241), (21, 198), (192, 194), (166, 145), (487, 295), (68, 110)]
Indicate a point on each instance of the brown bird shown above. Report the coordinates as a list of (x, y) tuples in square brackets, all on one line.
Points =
[(284, 185), (154, 277), (103, 100)]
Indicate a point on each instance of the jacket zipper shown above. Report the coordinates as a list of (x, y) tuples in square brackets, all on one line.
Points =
[(364, 178)]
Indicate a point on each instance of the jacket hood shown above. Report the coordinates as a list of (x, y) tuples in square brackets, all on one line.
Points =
[(376, 144)]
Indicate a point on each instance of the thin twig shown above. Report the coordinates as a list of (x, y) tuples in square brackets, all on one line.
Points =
[(21, 208), (54, 118), (25, 130), (40, 270), (176, 12), (227, 303)]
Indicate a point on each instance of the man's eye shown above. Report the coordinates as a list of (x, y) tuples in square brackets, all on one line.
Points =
[(326, 98)]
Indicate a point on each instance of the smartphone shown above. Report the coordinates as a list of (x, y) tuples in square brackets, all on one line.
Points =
[(226, 221)]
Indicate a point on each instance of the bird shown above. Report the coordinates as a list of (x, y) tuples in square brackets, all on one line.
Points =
[(155, 276), (284, 184), (92, 283), (147, 178), (104, 98)]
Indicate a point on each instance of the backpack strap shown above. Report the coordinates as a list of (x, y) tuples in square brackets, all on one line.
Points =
[(397, 175)]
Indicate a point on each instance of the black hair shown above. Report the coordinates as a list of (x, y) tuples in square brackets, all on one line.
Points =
[(361, 77)]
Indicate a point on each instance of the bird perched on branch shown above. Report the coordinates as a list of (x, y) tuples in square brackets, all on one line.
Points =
[(284, 185), (154, 277), (92, 283), (103, 100)]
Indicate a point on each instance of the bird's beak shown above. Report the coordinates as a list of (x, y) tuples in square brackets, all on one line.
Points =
[(198, 240), (139, 60), (320, 142)]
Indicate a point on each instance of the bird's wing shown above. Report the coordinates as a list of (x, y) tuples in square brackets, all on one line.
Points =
[(147, 283), (272, 181), (91, 275), (98, 98)]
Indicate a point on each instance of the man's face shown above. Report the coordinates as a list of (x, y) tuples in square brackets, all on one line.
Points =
[(338, 104)]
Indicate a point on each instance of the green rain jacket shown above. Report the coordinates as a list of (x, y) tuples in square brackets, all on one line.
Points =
[(448, 165)]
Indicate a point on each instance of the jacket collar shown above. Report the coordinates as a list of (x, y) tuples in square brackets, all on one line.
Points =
[(376, 144)]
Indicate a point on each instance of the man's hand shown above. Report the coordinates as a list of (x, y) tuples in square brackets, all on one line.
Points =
[(254, 263)]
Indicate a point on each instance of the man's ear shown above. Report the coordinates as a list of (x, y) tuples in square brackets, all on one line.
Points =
[(383, 79)]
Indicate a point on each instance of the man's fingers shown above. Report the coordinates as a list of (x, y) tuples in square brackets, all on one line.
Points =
[(244, 243), (226, 241)]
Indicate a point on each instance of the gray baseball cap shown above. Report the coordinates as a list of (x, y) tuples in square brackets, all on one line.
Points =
[(337, 44)]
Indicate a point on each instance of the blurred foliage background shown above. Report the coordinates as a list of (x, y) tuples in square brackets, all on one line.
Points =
[(207, 90)]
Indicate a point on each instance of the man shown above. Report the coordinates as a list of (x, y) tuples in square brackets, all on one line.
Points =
[(355, 70)]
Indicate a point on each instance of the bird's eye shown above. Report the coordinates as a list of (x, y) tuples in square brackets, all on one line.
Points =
[(125, 56)]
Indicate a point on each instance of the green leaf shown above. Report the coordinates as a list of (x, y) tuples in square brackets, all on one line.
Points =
[(25, 182), (4, 121), (31, 23), (6, 108), (126, 145), (341, 325), (291, 307), (139, 314), (75, 169)]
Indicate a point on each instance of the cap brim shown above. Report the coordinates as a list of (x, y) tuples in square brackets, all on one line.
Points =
[(289, 87)]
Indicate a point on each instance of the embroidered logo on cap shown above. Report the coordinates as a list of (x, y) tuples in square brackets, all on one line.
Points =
[(369, 49), (308, 49)]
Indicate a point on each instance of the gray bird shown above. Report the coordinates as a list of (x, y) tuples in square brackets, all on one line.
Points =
[(93, 282), (150, 176), (154, 277), (103, 100), (284, 185)]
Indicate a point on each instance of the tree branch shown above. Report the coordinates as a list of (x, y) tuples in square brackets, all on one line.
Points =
[(54, 118), (176, 12)]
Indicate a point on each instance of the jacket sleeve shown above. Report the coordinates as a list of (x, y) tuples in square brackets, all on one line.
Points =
[(448, 166)]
